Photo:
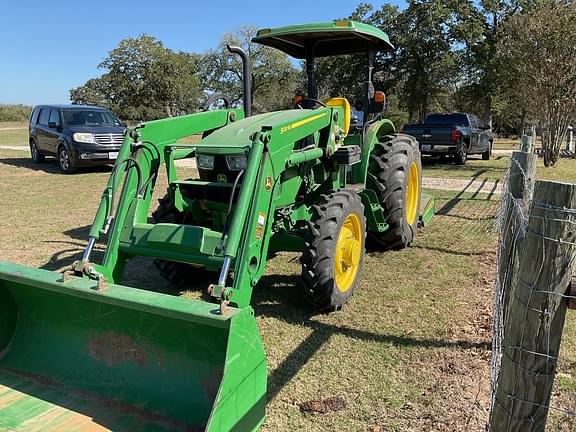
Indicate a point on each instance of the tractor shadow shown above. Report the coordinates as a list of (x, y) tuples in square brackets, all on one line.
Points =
[(276, 296), (279, 297)]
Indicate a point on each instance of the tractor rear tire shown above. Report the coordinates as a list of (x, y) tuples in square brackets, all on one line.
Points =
[(178, 273), (334, 250), (395, 174)]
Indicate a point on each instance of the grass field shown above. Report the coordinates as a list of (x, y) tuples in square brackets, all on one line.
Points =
[(13, 133), (411, 350)]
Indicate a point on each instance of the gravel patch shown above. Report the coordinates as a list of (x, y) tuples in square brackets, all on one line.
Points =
[(472, 186)]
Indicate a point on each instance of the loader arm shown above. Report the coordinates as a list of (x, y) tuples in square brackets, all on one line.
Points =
[(154, 138)]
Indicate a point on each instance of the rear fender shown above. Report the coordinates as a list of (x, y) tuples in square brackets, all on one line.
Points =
[(371, 136)]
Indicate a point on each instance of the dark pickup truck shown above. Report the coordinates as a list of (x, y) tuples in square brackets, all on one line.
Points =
[(454, 134)]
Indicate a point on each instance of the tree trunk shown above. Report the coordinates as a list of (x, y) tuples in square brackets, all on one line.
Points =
[(523, 123), (487, 117)]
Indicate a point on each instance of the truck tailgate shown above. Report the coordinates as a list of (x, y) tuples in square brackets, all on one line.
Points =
[(430, 135)]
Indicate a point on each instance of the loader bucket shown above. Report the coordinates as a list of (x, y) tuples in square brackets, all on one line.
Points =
[(75, 359)]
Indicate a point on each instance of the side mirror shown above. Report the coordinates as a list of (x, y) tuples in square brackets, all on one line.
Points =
[(52, 125), (485, 127)]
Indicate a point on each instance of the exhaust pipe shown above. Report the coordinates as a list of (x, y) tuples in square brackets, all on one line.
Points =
[(246, 78)]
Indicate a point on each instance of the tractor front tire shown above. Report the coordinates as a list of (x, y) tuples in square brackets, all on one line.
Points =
[(334, 250), (395, 174), (180, 274)]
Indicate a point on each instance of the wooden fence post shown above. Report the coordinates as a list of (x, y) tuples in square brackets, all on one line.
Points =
[(537, 311), (522, 175), (515, 209), (526, 143)]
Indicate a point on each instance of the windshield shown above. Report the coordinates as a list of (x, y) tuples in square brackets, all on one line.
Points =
[(90, 118), (446, 119)]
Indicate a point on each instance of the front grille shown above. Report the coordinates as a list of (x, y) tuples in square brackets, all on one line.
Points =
[(108, 139)]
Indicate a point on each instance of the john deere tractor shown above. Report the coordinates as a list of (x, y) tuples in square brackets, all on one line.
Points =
[(80, 350)]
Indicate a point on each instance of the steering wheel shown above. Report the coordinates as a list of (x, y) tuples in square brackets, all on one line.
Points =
[(316, 102), (215, 98)]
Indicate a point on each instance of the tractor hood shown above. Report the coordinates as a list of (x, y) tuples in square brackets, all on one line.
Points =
[(237, 135)]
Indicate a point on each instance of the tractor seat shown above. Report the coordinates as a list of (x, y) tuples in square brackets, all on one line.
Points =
[(341, 102)]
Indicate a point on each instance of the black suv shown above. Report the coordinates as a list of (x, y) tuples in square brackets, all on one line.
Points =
[(77, 135)]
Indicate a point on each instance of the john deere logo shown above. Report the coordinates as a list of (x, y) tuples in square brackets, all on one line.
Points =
[(268, 183), (222, 178)]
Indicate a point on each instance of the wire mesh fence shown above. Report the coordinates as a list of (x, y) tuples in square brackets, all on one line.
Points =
[(536, 252), (468, 217)]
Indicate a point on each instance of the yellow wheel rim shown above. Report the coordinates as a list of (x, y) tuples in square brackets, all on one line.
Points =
[(348, 252), (412, 193)]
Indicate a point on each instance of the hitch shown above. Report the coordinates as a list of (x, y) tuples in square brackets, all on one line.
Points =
[(84, 268), (223, 294)]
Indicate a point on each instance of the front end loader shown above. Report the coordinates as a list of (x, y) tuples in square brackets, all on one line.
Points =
[(81, 351)]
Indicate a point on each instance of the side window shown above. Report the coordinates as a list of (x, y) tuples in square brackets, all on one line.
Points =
[(54, 116), (44, 115), (34, 116), (473, 122)]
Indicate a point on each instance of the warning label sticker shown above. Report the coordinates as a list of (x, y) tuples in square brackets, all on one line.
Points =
[(260, 225)]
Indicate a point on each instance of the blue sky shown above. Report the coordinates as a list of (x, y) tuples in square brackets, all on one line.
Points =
[(49, 47)]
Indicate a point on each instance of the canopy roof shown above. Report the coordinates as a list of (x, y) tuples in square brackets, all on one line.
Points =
[(327, 38)]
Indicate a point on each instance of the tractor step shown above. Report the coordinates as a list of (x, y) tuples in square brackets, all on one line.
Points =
[(348, 155), (182, 243)]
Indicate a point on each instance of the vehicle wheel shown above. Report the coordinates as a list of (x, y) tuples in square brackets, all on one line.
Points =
[(65, 161), (176, 272), (334, 250), (461, 154), (35, 153), (395, 174), (488, 153)]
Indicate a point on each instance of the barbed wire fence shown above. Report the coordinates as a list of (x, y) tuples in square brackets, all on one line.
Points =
[(536, 254)]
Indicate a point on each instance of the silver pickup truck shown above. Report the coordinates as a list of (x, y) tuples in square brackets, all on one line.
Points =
[(452, 134)]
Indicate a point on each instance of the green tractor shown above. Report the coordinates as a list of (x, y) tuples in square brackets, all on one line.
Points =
[(80, 350)]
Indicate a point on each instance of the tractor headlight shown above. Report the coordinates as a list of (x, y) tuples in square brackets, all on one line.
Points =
[(80, 137), (236, 163), (205, 162)]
